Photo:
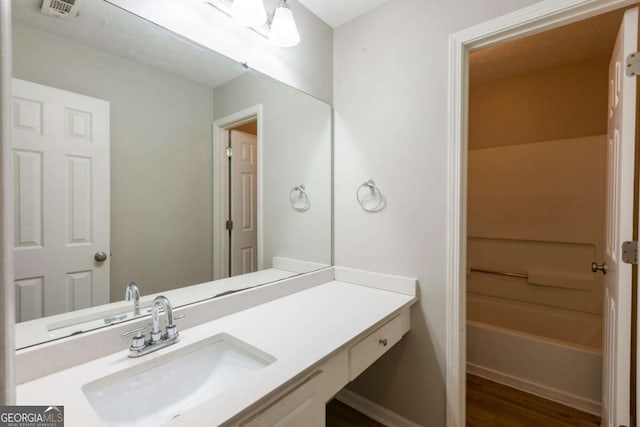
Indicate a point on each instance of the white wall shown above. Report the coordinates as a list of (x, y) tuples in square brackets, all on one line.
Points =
[(296, 150), (307, 66), (160, 157), (390, 99)]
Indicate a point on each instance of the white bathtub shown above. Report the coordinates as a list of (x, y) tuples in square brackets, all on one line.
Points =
[(561, 363)]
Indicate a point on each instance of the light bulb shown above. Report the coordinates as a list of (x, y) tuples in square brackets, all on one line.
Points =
[(284, 32), (249, 13)]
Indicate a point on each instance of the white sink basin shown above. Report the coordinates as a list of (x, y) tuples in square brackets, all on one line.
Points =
[(153, 393)]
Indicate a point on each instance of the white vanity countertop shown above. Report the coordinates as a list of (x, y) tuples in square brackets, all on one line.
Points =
[(299, 330)]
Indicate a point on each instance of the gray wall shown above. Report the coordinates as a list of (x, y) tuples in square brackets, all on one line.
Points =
[(390, 95), (160, 158), (296, 150)]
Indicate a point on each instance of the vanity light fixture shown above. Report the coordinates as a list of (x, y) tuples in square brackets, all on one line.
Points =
[(249, 13), (280, 29), (283, 32)]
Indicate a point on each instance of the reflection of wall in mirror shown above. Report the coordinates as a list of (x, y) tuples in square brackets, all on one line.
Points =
[(161, 157), (296, 150)]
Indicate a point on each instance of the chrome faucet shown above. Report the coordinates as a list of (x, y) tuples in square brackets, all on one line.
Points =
[(162, 303), (157, 340), (133, 294)]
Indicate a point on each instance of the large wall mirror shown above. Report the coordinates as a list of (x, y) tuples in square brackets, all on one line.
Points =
[(147, 164)]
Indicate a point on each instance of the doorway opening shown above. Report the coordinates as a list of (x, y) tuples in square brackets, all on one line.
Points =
[(536, 216), (541, 199), (237, 194)]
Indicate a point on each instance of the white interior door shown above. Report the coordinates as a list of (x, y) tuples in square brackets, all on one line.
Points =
[(620, 175), (244, 201), (61, 200)]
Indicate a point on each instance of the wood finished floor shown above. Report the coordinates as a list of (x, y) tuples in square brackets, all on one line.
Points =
[(492, 404), (341, 415)]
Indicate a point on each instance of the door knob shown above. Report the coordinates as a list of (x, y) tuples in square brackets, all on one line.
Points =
[(100, 256), (602, 268)]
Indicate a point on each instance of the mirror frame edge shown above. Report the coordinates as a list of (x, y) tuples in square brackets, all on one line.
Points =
[(7, 309)]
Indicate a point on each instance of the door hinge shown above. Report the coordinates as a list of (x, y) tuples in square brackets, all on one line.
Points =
[(630, 252), (229, 151), (633, 65), (229, 225)]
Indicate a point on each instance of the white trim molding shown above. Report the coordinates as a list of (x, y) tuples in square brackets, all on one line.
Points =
[(536, 18), (7, 308), (220, 129), (373, 410)]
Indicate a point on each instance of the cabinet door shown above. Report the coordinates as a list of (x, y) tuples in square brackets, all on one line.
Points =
[(303, 406)]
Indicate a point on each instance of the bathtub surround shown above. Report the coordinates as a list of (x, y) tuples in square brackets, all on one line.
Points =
[(512, 228), (7, 310)]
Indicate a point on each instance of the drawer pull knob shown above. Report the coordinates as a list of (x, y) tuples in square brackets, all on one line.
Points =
[(383, 341)]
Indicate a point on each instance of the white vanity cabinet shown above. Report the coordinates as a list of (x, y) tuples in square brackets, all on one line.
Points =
[(305, 404)]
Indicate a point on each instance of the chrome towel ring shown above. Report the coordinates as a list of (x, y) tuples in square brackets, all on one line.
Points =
[(301, 192), (375, 193)]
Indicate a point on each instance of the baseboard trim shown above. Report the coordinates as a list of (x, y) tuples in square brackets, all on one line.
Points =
[(559, 396), (373, 410)]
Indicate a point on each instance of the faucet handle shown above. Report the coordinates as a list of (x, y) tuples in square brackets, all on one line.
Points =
[(172, 330), (138, 331), (138, 338)]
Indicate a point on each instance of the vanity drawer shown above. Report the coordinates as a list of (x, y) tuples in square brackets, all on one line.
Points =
[(377, 343)]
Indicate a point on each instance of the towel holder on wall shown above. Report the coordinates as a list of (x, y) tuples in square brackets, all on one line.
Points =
[(302, 194), (373, 188)]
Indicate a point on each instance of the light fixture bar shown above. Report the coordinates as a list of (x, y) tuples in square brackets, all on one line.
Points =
[(224, 6)]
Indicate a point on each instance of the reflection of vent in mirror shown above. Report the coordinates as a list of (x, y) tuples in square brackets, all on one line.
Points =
[(62, 8)]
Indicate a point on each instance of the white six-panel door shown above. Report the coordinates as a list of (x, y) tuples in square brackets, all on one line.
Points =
[(61, 198), (244, 209), (617, 281)]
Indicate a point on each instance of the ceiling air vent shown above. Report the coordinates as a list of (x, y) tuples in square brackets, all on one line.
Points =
[(62, 8)]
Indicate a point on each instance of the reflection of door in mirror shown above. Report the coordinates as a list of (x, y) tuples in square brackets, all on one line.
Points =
[(243, 228), (61, 213)]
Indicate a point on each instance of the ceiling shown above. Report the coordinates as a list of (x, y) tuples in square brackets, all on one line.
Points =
[(338, 12), (113, 30), (577, 42)]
